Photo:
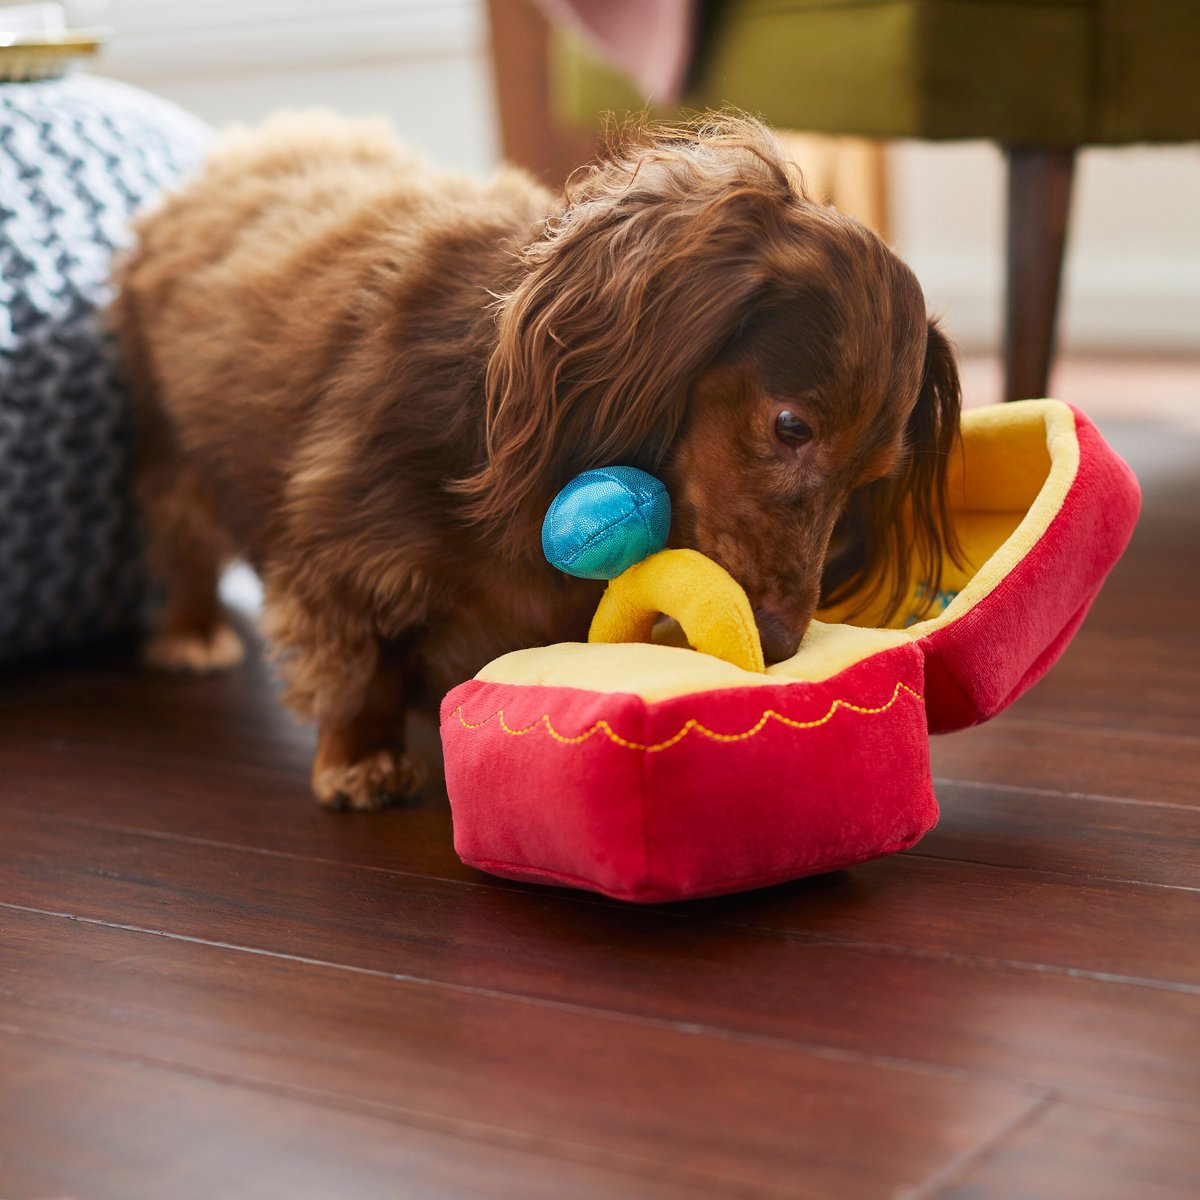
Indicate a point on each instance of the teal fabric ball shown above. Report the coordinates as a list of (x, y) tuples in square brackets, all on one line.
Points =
[(604, 521)]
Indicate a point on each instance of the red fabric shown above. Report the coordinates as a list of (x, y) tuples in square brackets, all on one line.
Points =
[(702, 816), (981, 663), (705, 816)]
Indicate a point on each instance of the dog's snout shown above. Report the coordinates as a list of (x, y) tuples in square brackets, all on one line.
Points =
[(779, 639)]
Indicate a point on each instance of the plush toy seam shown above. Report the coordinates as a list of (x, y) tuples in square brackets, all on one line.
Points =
[(600, 534), (691, 725)]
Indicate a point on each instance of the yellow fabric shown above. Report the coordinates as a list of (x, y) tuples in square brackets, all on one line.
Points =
[(1011, 475), (662, 672), (1017, 464), (711, 608), (1021, 466)]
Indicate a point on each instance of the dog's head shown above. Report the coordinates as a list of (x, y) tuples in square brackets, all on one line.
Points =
[(691, 312)]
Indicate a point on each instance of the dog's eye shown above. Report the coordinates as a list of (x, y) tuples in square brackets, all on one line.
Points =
[(792, 430)]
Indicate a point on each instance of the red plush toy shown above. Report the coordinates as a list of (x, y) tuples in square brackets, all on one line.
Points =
[(654, 772)]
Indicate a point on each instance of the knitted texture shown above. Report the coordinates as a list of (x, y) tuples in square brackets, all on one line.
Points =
[(77, 157)]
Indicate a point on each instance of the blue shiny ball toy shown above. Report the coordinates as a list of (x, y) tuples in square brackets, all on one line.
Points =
[(604, 521)]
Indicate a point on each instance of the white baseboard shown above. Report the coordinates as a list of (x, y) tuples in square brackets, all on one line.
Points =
[(1136, 305), (1132, 275)]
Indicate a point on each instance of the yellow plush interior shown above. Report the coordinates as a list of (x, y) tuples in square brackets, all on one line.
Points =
[(1016, 463)]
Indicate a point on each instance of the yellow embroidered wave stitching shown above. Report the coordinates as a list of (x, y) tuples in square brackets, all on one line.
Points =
[(690, 726)]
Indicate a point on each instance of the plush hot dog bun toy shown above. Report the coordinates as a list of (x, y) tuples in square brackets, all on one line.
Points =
[(653, 772)]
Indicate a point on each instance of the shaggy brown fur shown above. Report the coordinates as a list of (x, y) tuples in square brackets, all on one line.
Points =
[(370, 377)]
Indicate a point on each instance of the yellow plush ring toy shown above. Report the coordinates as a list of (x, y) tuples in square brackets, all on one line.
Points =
[(712, 610)]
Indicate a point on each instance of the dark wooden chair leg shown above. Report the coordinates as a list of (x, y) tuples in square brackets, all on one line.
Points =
[(529, 135), (1039, 199)]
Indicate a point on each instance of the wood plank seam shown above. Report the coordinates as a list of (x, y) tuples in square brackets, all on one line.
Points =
[(691, 1028), (1039, 869), (413, 1118), (1020, 789), (929, 1187)]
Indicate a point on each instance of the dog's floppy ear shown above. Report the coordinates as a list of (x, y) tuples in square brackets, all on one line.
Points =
[(932, 435), (633, 288), (904, 520)]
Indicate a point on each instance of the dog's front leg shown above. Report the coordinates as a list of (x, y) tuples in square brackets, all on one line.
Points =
[(361, 760), (341, 675)]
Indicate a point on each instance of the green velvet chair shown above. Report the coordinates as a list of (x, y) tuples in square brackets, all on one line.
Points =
[(1041, 77)]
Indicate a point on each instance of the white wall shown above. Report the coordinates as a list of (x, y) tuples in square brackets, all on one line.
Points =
[(421, 62), (1133, 276), (1133, 257)]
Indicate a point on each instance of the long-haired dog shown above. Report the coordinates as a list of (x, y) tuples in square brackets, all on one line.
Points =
[(369, 378)]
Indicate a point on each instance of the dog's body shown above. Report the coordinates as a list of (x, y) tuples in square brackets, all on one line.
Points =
[(369, 378)]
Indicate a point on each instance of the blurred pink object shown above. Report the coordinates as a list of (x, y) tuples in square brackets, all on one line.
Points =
[(650, 40)]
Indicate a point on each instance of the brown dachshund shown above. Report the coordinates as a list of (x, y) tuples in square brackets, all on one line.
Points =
[(369, 377)]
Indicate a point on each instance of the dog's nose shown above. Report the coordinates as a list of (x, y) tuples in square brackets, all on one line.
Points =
[(779, 639)]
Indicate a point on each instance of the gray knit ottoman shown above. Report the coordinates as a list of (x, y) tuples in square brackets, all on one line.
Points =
[(77, 157)]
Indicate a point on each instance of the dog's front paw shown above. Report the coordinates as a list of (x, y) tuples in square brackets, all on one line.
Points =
[(192, 653), (370, 782)]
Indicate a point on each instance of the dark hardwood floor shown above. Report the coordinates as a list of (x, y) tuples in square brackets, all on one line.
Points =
[(210, 988)]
